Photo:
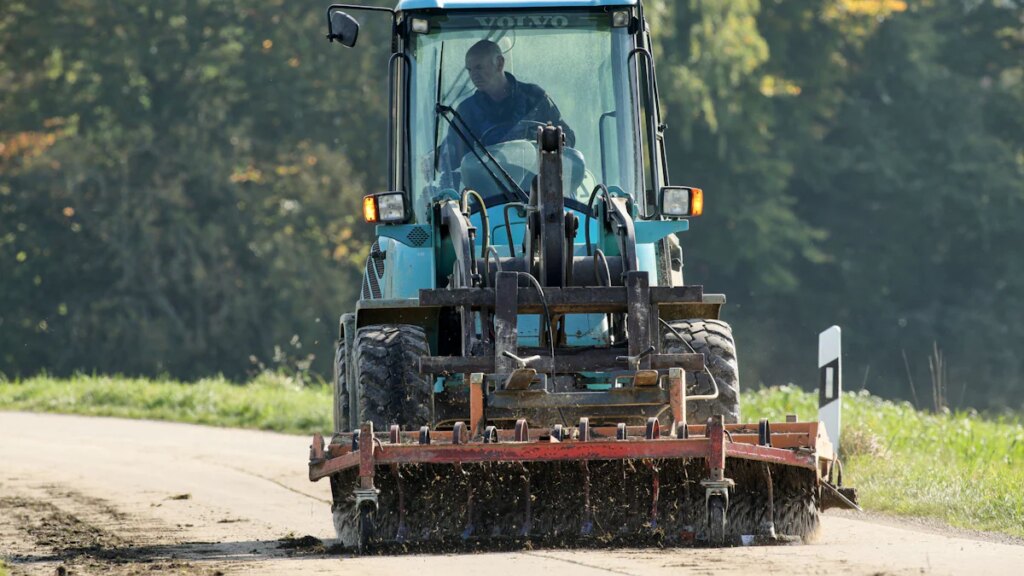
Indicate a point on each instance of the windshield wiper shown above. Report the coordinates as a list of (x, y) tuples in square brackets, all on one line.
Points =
[(510, 186), (437, 121)]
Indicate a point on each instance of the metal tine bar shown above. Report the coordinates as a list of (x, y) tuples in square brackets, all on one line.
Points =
[(779, 439), (740, 441), (554, 452), (597, 433), (739, 432)]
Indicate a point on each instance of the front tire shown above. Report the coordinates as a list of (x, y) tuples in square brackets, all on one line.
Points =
[(713, 338), (390, 390)]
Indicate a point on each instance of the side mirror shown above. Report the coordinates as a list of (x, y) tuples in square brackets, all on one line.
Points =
[(681, 201), (343, 28)]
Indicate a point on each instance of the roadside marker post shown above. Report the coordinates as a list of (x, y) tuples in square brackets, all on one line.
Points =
[(830, 382)]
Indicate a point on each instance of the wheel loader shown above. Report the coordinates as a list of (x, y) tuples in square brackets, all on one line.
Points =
[(526, 362)]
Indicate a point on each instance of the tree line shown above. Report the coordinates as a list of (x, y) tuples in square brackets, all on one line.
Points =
[(179, 184)]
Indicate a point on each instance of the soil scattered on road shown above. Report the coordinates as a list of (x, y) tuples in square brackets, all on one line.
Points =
[(50, 530)]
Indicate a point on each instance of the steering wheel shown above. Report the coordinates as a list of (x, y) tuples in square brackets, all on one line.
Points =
[(510, 128)]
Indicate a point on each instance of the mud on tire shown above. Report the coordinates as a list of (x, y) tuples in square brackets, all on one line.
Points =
[(390, 390), (714, 339)]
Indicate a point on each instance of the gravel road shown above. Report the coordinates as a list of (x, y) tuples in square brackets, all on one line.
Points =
[(83, 495)]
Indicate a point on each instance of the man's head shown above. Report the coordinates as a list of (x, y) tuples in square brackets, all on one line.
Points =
[(486, 66)]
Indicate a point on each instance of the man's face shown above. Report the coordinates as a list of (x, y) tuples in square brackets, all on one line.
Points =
[(485, 70)]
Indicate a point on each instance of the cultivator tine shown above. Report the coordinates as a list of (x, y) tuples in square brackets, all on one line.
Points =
[(768, 524), (655, 492), (524, 529), (688, 531), (470, 527), (587, 525), (403, 531)]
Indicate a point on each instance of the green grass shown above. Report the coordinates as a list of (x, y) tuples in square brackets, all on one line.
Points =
[(270, 402), (963, 469), (960, 468)]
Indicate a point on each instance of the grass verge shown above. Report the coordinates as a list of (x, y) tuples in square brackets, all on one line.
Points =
[(958, 468), (270, 402)]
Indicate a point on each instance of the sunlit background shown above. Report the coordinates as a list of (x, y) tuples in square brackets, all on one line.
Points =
[(180, 185)]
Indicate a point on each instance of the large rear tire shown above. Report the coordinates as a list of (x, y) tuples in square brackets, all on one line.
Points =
[(713, 338), (390, 391)]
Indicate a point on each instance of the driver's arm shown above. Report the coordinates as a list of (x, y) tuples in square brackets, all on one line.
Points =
[(545, 110)]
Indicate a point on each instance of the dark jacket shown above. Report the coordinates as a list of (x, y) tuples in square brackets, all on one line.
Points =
[(481, 113)]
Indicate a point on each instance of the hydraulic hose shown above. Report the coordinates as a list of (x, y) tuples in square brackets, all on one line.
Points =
[(590, 210), (484, 219), (708, 371), (522, 208)]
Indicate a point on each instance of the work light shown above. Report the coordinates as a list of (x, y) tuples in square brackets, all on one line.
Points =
[(386, 207), (681, 201), (420, 26)]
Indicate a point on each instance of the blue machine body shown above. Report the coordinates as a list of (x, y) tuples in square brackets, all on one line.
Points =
[(407, 258), (410, 257)]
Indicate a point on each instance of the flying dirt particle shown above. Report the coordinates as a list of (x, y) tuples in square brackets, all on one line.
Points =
[(180, 497)]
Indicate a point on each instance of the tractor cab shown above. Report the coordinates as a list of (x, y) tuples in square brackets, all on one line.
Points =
[(474, 81)]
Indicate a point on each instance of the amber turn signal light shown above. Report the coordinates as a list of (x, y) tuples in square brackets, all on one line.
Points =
[(370, 209), (696, 202)]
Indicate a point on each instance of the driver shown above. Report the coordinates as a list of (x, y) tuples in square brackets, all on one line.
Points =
[(500, 101)]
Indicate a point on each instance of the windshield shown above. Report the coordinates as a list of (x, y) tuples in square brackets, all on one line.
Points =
[(483, 82)]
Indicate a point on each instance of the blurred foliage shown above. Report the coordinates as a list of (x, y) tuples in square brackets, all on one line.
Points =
[(864, 162), (176, 185), (179, 183)]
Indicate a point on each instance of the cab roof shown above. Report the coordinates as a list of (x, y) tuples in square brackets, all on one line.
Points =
[(476, 4)]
